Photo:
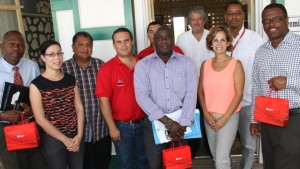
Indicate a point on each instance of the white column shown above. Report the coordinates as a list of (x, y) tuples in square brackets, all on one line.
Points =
[(144, 14)]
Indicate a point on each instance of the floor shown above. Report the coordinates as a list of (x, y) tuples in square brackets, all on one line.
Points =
[(205, 162)]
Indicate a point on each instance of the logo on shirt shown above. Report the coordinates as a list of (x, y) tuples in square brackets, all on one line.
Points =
[(120, 83)]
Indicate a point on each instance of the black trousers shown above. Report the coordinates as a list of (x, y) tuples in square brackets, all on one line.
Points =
[(281, 145), (97, 155), (21, 159)]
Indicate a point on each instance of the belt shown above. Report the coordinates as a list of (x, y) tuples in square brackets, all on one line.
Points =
[(130, 121), (294, 111)]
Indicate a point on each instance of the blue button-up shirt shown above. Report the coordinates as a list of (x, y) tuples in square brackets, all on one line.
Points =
[(27, 68), (163, 88)]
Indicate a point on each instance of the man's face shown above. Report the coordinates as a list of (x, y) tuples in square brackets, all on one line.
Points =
[(234, 16), (274, 23), (164, 42), (197, 22), (123, 44), (13, 48), (83, 47), (151, 30)]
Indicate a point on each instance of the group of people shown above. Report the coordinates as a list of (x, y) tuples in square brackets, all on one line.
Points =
[(83, 104)]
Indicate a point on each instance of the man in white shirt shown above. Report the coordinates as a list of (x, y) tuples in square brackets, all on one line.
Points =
[(193, 42), (245, 43), (193, 45)]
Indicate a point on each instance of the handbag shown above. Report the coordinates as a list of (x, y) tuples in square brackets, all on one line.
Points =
[(21, 136), (177, 157), (270, 110)]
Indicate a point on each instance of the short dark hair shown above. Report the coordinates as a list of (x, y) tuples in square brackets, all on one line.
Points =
[(47, 44), (121, 30), (233, 3), (14, 32), (154, 23), (81, 33), (276, 5), (212, 34)]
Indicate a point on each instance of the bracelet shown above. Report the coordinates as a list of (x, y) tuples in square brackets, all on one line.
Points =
[(168, 124)]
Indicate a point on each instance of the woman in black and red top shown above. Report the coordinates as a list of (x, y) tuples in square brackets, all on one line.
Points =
[(57, 108)]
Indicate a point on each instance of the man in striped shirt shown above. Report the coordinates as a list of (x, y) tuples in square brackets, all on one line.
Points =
[(276, 67), (84, 68)]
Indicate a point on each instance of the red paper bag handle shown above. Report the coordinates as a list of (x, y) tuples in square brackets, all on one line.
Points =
[(270, 92)]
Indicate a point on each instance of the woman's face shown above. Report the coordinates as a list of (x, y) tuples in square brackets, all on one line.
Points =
[(53, 57), (220, 43)]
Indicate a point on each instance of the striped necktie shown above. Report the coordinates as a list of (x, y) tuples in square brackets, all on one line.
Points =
[(17, 76)]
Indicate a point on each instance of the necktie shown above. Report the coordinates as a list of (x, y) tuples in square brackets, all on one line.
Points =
[(17, 76)]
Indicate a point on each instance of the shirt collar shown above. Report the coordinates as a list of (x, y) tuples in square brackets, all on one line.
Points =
[(173, 56), (8, 66), (287, 39), (77, 65), (239, 35), (121, 63)]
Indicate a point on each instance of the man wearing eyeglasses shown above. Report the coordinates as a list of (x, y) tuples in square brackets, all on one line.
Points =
[(276, 67), (84, 68), (13, 48), (245, 43)]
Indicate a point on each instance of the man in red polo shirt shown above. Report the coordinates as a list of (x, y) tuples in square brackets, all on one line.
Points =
[(152, 26), (119, 108)]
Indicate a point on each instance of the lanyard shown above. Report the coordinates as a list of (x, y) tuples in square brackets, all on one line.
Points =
[(237, 41)]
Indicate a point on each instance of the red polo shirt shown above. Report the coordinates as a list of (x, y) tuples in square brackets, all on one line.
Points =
[(149, 50), (115, 81)]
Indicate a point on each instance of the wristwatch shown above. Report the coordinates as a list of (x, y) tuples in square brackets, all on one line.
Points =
[(168, 124)]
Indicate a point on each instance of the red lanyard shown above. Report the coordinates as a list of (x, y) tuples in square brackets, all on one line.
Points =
[(237, 42)]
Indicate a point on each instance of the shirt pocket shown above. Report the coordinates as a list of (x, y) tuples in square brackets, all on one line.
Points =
[(179, 83)]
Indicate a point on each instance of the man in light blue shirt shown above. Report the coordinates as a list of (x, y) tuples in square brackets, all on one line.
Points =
[(165, 82), (13, 48)]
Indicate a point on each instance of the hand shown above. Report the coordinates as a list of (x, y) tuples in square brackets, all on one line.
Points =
[(27, 110), (277, 83), (75, 144), (67, 142), (115, 134), (210, 119), (255, 129), (11, 116), (177, 131), (220, 123)]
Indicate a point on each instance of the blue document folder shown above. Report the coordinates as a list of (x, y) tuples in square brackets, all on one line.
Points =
[(160, 133)]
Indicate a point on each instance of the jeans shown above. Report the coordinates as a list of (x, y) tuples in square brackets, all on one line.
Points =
[(220, 142), (248, 142), (57, 155), (131, 146)]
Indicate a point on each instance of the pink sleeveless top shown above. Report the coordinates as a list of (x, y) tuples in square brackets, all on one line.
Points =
[(218, 87)]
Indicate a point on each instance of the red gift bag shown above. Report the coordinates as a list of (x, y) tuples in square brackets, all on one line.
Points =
[(270, 110), (177, 157), (21, 136)]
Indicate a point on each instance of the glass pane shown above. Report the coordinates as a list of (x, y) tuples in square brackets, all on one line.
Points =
[(7, 2), (8, 22), (179, 26)]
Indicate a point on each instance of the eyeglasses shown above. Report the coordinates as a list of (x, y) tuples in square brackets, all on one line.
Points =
[(54, 54), (237, 13), (274, 20)]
